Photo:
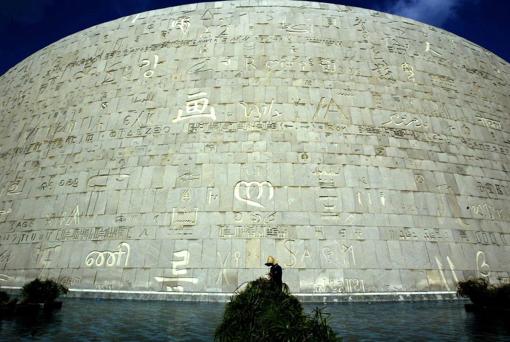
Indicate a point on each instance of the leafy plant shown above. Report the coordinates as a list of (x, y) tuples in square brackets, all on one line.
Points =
[(262, 312), (482, 294), (4, 297), (38, 291)]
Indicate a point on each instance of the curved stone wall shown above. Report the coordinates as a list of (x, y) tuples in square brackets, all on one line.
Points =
[(174, 150)]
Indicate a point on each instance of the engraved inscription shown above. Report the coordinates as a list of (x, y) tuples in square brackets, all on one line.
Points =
[(109, 258), (243, 192), (482, 267), (180, 261), (197, 106)]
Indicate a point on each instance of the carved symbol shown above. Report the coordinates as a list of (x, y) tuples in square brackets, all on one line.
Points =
[(226, 61), (207, 15), (488, 211), (196, 107), (112, 258), (348, 250), (482, 267), (452, 269), (6, 211), (184, 217), (409, 70), (73, 216), (175, 264), (296, 28), (109, 70), (182, 23), (13, 187), (428, 49), (5, 277), (185, 195), (211, 195), (324, 107), (246, 186), (149, 96), (238, 217), (133, 20), (146, 62), (223, 272), (44, 255), (396, 46), (200, 66), (489, 123), (171, 283), (101, 181), (402, 119), (120, 218), (288, 246), (382, 198), (5, 256), (253, 110), (328, 255), (328, 65)]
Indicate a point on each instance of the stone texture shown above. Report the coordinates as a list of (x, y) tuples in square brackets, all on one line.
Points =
[(172, 151)]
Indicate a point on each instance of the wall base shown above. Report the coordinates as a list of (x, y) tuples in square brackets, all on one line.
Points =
[(223, 297)]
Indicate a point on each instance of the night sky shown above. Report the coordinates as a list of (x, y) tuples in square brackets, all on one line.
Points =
[(29, 25)]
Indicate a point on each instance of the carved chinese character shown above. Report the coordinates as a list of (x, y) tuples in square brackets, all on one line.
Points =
[(197, 106), (178, 270)]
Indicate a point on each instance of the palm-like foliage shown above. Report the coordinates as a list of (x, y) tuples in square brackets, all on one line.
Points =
[(262, 312)]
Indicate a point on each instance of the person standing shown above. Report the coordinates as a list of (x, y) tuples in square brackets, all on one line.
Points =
[(275, 272)]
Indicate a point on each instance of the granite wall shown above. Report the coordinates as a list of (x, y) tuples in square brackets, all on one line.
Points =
[(174, 150)]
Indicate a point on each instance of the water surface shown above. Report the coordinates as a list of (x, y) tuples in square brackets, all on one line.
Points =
[(117, 320)]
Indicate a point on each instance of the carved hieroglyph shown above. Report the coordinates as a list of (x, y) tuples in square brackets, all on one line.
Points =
[(174, 150)]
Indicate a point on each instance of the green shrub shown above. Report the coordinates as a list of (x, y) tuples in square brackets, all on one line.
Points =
[(4, 297), (38, 291), (262, 312), (482, 294)]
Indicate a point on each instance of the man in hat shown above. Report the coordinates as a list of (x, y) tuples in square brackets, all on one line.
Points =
[(275, 272)]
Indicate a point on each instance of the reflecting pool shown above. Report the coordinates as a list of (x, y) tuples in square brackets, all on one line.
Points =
[(116, 320)]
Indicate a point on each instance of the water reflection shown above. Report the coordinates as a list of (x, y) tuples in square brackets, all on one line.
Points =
[(112, 320), (488, 326), (31, 326), (430, 321)]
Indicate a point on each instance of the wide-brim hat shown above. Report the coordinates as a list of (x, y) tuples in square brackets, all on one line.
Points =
[(270, 261)]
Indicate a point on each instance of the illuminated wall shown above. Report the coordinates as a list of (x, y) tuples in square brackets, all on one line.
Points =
[(174, 150)]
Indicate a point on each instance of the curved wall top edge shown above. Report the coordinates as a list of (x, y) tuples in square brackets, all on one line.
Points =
[(274, 3)]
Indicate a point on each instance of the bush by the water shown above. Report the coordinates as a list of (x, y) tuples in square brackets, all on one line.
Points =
[(38, 291), (262, 312), (4, 297), (484, 295)]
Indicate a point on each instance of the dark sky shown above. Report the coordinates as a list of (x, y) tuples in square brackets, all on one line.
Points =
[(29, 25)]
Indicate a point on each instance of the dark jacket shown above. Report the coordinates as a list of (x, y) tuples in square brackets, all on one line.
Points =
[(276, 274)]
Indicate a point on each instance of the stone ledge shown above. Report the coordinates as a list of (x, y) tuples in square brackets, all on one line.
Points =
[(223, 297)]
